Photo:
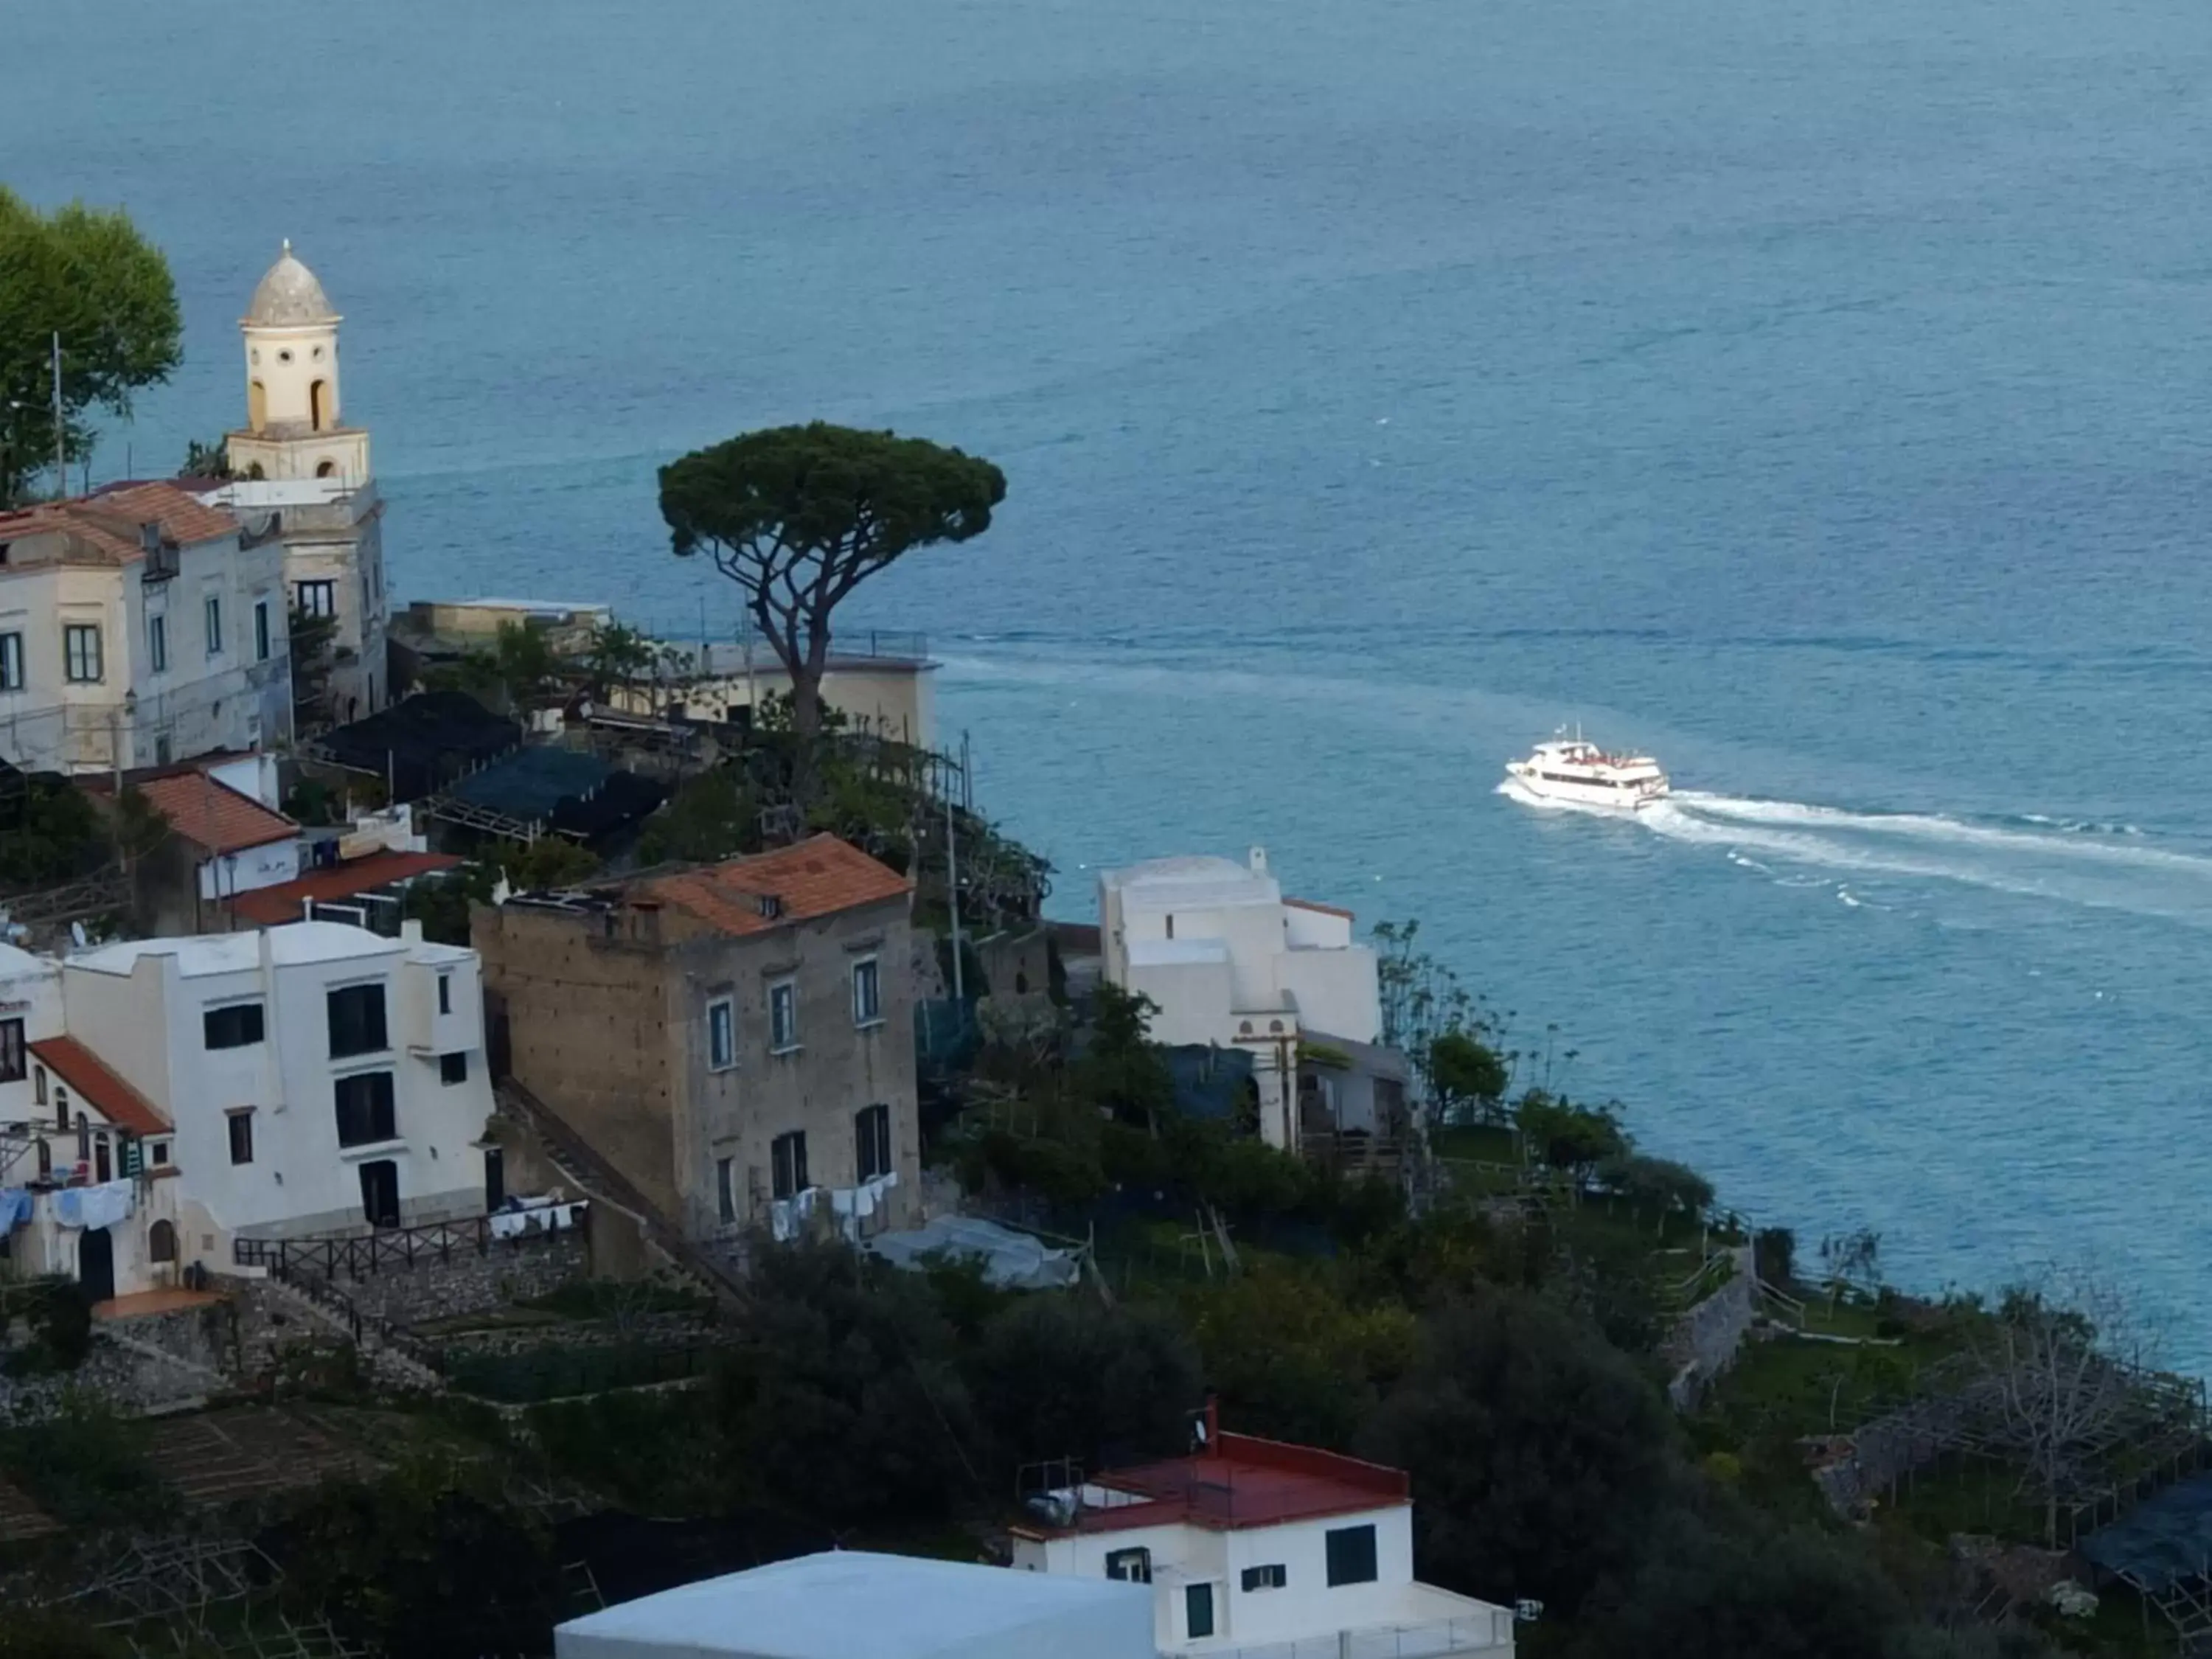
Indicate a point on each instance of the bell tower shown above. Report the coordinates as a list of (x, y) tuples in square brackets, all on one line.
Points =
[(294, 428)]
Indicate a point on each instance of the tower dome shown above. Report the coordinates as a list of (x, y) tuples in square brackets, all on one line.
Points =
[(289, 297)]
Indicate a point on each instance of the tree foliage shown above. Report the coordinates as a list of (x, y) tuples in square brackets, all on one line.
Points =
[(426, 1561), (1565, 1136), (799, 516), (1466, 1075), (1061, 1376), (1123, 1070), (1540, 1454), (89, 275), (845, 1388)]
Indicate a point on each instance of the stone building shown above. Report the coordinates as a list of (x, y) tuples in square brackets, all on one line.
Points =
[(304, 480), (137, 626), (737, 1041)]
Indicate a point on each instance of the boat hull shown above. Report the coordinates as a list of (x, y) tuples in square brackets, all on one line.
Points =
[(1555, 791)]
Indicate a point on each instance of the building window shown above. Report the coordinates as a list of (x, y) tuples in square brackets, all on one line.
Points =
[(241, 1137), (726, 1194), (364, 1103), (38, 1084), (157, 1154), (1351, 1555), (261, 643), (80, 652), (1130, 1566), (1265, 1578), (157, 644), (13, 1064), (356, 1014), (782, 1017), (162, 1242), (1198, 1610), (11, 662), (45, 1159), (453, 1069), (788, 1154), (215, 625), (872, 1138), (317, 598), (238, 1026), (867, 993), (445, 993), (61, 1108), (721, 1035)]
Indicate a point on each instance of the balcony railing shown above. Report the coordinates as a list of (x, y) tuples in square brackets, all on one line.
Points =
[(1489, 1633)]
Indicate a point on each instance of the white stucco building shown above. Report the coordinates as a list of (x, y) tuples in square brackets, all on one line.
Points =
[(843, 1604), (1232, 963), (304, 479), (313, 1079), (1256, 1550), (138, 626)]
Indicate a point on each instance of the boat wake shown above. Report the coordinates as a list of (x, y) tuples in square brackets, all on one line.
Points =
[(2106, 865)]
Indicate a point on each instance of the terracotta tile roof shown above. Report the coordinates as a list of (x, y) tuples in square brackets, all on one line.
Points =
[(819, 876), (99, 1088), (1325, 910), (214, 814), (104, 528), (268, 907)]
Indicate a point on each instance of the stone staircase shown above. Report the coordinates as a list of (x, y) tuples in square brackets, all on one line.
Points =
[(392, 1357), (722, 1274)]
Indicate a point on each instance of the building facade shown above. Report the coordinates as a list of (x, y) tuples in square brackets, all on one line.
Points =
[(311, 1080), (1233, 963), (139, 626), (1255, 1547), (304, 480), (737, 1039)]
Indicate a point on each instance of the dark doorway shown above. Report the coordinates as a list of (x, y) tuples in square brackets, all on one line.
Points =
[(103, 1163), (380, 1193), (495, 1177), (95, 1264)]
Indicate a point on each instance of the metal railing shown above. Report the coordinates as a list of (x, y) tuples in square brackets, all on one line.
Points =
[(728, 642), (363, 1255), (1490, 1631)]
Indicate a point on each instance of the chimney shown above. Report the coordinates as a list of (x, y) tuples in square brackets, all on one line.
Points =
[(1257, 859), (410, 930)]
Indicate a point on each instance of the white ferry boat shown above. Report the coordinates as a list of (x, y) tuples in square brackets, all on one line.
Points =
[(1570, 772)]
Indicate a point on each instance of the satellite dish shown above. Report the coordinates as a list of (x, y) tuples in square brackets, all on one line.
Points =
[(1528, 1611)]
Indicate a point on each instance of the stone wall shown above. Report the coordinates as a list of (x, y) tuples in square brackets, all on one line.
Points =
[(1705, 1341), (154, 1363), (469, 1283)]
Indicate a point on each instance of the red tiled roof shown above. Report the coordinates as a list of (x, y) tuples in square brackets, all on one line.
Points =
[(99, 1088), (1325, 910), (819, 876), (104, 527), (267, 907), (214, 814), (1244, 1481)]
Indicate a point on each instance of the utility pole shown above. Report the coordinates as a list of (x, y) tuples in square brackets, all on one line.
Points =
[(952, 903), (61, 432)]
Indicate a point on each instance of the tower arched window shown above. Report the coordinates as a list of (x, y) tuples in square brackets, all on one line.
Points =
[(319, 405), (257, 405)]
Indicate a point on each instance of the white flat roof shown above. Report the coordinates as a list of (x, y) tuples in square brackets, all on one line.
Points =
[(1176, 953), (231, 953), (852, 1604)]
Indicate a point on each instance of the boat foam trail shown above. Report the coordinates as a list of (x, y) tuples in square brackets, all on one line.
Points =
[(2053, 863)]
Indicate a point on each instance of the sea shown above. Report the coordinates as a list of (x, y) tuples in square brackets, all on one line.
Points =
[(1809, 391)]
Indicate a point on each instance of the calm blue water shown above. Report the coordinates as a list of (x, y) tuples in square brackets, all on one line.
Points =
[(1813, 393)]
